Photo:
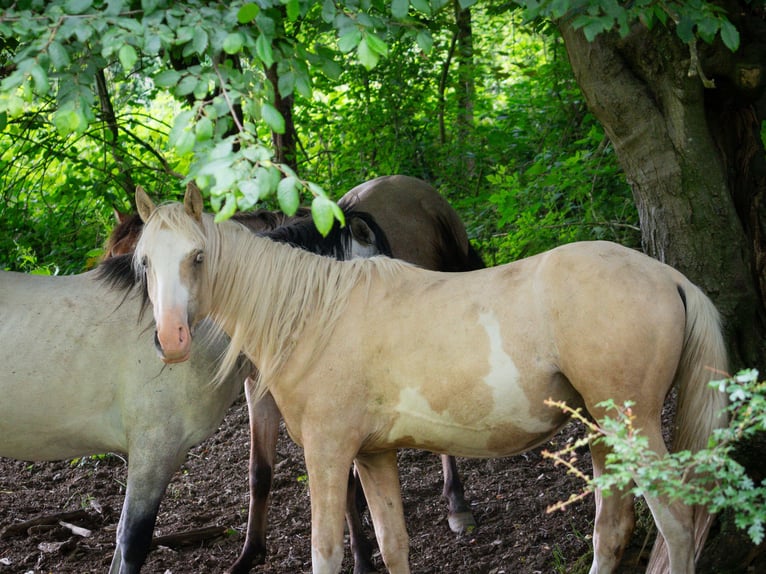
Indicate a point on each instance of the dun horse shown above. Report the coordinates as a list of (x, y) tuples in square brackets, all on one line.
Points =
[(456, 363), (76, 382), (424, 230)]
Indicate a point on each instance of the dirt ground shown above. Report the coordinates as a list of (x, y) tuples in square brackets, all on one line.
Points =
[(508, 496)]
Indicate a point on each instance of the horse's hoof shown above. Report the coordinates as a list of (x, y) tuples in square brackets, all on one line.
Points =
[(461, 522)]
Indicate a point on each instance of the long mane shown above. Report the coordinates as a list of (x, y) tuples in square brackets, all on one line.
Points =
[(265, 292)]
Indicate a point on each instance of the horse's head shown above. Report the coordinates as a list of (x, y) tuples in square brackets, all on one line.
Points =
[(170, 257)]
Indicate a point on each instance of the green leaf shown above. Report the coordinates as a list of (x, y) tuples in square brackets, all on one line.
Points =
[(328, 11), (293, 10), (233, 42), (128, 57), (400, 8), (349, 40), (251, 192), (58, 55), (287, 195), (273, 118), (247, 13), (167, 78), (264, 51), (286, 84), (685, 29), (730, 35), (200, 41), (425, 41), (367, 57), (77, 6), (423, 6), (40, 78), (228, 208), (186, 86), (376, 44), (322, 213), (204, 129)]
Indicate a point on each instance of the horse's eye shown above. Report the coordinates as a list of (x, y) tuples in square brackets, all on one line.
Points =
[(200, 257), (143, 261)]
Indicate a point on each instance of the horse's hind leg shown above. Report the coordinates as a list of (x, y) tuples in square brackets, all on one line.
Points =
[(361, 547), (675, 522), (459, 515), (380, 479), (264, 430), (614, 522)]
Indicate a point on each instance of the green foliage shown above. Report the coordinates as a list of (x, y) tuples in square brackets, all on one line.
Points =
[(691, 20), (377, 88), (710, 477)]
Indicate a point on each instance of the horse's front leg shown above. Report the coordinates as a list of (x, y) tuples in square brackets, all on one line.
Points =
[(148, 475), (327, 467), (459, 515), (264, 431), (380, 480)]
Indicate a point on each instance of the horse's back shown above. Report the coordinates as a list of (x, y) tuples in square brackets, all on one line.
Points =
[(421, 226)]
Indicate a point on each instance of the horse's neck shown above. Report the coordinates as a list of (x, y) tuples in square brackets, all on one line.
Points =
[(264, 294)]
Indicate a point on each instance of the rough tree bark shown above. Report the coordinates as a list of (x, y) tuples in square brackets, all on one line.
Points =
[(695, 162)]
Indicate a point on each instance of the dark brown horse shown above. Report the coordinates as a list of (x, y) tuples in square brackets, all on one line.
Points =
[(400, 216)]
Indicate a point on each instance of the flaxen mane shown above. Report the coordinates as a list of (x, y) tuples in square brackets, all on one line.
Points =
[(278, 293)]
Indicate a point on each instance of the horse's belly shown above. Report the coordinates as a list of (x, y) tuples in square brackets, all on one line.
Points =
[(509, 427)]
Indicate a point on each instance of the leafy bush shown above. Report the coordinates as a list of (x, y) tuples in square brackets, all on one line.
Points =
[(711, 477)]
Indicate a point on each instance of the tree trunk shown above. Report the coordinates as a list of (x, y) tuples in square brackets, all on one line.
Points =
[(466, 89), (695, 162)]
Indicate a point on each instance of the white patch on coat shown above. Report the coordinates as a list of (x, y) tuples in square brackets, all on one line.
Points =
[(510, 400), (510, 405)]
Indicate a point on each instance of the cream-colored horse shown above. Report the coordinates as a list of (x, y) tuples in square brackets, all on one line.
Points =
[(368, 356)]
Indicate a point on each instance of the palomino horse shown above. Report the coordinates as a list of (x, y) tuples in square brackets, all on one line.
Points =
[(76, 382), (371, 355), (400, 216)]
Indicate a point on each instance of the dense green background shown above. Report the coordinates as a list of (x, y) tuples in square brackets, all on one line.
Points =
[(530, 170)]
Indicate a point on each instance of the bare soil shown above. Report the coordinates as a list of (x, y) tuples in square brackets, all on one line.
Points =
[(508, 497)]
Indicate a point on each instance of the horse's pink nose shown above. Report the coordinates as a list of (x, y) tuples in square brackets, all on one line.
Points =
[(174, 341)]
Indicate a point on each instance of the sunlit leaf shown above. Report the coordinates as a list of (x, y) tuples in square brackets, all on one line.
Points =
[(58, 55), (293, 10), (273, 118), (248, 12), (287, 195), (376, 44), (227, 209), (233, 42), (167, 78), (323, 214), (367, 57), (349, 40), (128, 57)]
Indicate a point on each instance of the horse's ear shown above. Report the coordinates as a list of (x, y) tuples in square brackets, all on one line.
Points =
[(119, 216), (361, 231), (144, 204), (193, 201)]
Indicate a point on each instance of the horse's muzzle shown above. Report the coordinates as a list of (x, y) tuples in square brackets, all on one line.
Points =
[(166, 358)]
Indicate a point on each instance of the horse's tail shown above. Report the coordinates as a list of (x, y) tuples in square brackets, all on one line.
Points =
[(700, 408)]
